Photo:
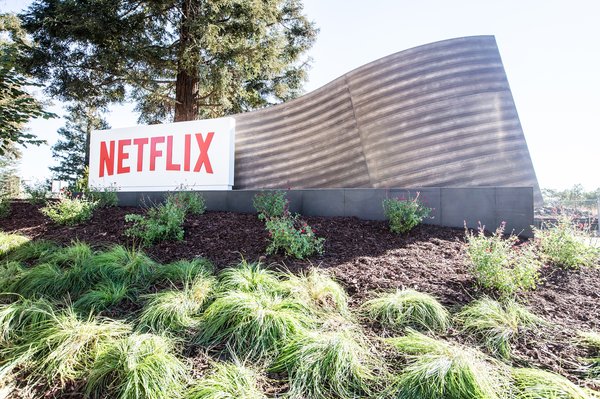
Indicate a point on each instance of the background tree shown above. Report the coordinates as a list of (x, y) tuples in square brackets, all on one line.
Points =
[(17, 106), (72, 149), (178, 59)]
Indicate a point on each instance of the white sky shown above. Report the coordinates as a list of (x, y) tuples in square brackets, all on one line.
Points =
[(550, 50)]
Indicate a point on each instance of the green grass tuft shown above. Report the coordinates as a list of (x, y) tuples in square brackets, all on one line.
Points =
[(10, 272), (318, 289), (139, 366), (227, 381), (335, 362), (249, 277), (75, 255), (497, 324), (437, 369), (21, 316), (253, 324), (36, 251), (9, 242), (184, 271), (41, 280), (175, 310), (408, 308), (120, 264), (539, 384), (102, 296)]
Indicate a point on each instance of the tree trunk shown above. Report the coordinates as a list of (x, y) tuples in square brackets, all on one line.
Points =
[(187, 85)]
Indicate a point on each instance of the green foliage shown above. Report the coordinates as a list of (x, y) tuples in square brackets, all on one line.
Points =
[(408, 308), (10, 272), (319, 290), (227, 381), (9, 242), (193, 203), (249, 277), (497, 324), (37, 193), (103, 296), (575, 193), (70, 211), (105, 198), (119, 264), (335, 362), (271, 204), (161, 222), (404, 215), (438, 369), (42, 280), (35, 251), (4, 206), (498, 264), (74, 255), (564, 245), (253, 324), (19, 318), (293, 237), (184, 271), (539, 384), (138, 366), (591, 340), (175, 310)]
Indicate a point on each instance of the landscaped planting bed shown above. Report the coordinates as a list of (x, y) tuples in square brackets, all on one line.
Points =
[(374, 315)]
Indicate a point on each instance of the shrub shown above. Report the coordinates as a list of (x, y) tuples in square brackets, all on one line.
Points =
[(9, 242), (161, 222), (104, 198), (408, 307), (564, 245), (138, 366), (38, 193), (539, 384), (70, 211), (175, 310), (497, 324), (437, 369), (189, 201), (249, 277), (184, 271), (318, 289), (4, 206), (103, 296), (403, 215), (328, 363), (293, 237), (271, 204), (253, 324), (227, 381), (498, 265)]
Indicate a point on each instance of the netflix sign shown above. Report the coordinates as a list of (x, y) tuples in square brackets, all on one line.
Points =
[(195, 155)]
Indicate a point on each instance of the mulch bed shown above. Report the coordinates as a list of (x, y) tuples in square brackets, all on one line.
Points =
[(365, 257)]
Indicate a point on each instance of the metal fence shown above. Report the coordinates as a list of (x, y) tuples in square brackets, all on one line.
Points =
[(583, 213)]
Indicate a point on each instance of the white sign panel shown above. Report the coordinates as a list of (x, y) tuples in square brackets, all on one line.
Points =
[(195, 155)]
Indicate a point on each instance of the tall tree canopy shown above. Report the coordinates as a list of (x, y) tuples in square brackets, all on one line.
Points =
[(178, 59), (17, 106)]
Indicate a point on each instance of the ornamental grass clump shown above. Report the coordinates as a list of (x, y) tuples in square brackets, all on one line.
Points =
[(293, 237), (138, 366), (404, 215), (8, 242), (499, 265), (228, 381), (332, 362), (437, 369), (319, 290), (497, 324), (408, 308), (538, 384), (119, 264), (21, 316), (103, 296), (271, 204), (591, 340), (183, 271), (36, 251), (564, 245), (46, 279), (254, 325), (70, 211), (75, 255), (249, 277), (10, 272)]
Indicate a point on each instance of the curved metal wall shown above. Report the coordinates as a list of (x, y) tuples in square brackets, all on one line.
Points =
[(438, 115)]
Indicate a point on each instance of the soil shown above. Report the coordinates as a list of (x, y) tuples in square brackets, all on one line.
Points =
[(365, 258)]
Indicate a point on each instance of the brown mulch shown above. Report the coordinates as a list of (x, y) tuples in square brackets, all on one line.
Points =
[(365, 257)]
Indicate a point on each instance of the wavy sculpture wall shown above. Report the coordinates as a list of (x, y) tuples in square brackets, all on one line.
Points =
[(438, 115)]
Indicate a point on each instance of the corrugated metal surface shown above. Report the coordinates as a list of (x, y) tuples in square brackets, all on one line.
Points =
[(438, 115)]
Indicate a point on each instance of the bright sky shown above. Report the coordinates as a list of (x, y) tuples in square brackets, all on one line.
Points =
[(549, 49)]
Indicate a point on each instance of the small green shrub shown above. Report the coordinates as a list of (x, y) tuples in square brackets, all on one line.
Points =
[(191, 202), (497, 324), (565, 246), (328, 363), (253, 324), (437, 369), (9, 242), (271, 204), (37, 193), (318, 289), (404, 215), (539, 384), (70, 211), (408, 308), (227, 381), (103, 296), (4, 206), (161, 222), (104, 198), (497, 264), (293, 237), (184, 271), (249, 277), (138, 366)]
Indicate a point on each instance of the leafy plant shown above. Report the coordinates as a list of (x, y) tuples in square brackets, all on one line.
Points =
[(408, 307), (564, 245), (498, 264), (189, 201), (104, 198), (293, 237), (103, 296), (497, 324), (437, 369), (37, 193), (271, 204), (249, 277), (138, 366), (404, 215), (9, 242), (538, 384), (328, 363), (227, 381), (318, 289), (70, 211), (253, 324), (4, 206), (161, 222)]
